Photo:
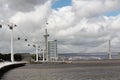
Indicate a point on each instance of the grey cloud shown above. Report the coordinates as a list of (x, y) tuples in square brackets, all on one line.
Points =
[(9, 8), (23, 5)]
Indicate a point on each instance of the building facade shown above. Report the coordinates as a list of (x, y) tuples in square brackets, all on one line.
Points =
[(52, 50)]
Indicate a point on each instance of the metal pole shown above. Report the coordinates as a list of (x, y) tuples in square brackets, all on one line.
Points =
[(36, 53), (46, 43), (47, 52), (56, 50), (12, 54), (12, 41), (43, 56)]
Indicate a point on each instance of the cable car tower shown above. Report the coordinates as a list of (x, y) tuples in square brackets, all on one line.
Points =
[(46, 35)]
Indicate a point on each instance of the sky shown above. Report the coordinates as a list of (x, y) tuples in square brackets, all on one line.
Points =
[(61, 3), (79, 26)]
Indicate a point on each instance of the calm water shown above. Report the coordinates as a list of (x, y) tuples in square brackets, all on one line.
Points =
[(63, 72)]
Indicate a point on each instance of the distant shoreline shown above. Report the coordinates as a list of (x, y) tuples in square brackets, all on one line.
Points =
[(82, 63)]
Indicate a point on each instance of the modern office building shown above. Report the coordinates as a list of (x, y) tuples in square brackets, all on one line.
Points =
[(52, 50)]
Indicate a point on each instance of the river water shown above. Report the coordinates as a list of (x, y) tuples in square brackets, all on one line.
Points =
[(63, 72)]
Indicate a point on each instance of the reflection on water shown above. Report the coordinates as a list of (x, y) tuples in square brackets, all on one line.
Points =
[(63, 72)]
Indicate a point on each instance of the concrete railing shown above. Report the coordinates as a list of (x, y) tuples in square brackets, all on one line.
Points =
[(8, 64)]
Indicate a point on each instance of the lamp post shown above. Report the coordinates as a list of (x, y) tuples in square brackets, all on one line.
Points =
[(36, 53), (43, 55), (11, 26)]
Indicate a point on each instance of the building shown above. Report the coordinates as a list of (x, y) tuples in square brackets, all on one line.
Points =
[(25, 56), (52, 50), (119, 55)]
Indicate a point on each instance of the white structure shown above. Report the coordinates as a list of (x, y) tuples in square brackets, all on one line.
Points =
[(110, 52), (46, 44), (43, 55), (52, 50), (11, 26)]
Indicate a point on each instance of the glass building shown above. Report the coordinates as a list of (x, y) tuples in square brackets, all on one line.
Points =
[(52, 50)]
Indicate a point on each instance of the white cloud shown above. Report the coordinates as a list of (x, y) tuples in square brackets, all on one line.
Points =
[(87, 34), (89, 8), (115, 23)]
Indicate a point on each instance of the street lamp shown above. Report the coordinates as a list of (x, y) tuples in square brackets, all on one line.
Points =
[(11, 26)]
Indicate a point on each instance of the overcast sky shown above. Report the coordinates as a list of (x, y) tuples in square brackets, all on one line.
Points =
[(80, 26)]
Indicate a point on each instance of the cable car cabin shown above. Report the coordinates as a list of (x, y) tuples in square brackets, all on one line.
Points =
[(33, 45), (0, 26), (18, 38), (11, 27), (25, 39), (47, 23), (28, 44)]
